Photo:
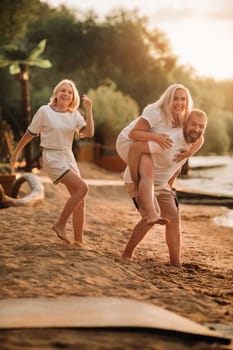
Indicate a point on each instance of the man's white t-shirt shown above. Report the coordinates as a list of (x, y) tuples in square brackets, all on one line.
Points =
[(164, 166)]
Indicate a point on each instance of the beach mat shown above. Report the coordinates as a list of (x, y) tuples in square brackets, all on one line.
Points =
[(111, 313)]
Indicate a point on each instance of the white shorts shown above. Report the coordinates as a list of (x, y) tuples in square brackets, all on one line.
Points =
[(122, 147), (59, 162)]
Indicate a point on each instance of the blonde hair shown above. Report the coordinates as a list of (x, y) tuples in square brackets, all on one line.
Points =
[(164, 103), (76, 99)]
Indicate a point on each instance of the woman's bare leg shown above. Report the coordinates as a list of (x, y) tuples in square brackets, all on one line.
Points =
[(78, 223), (136, 149), (78, 190)]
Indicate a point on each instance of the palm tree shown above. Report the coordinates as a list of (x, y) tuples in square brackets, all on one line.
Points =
[(19, 61)]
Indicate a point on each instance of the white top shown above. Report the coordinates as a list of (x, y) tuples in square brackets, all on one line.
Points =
[(56, 129), (153, 116), (164, 166)]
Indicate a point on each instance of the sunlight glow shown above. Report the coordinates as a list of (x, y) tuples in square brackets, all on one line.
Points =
[(205, 45), (200, 35)]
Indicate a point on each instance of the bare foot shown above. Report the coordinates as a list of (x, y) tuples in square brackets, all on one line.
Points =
[(81, 245), (60, 234), (126, 257), (176, 265), (157, 220)]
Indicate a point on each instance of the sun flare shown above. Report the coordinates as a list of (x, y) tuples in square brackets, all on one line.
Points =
[(204, 45), (199, 38)]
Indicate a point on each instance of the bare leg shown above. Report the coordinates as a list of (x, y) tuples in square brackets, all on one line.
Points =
[(78, 222), (78, 225), (137, 236), (136, 150), (146, 191), (78, 190), (170, 209), (173, 239)]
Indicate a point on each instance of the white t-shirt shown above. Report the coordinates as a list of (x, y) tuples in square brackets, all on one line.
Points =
[(153, 116), (164, 166), (56, 129), (157, 125)]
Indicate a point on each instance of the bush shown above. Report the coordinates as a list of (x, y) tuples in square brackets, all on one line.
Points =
[(112, 111)]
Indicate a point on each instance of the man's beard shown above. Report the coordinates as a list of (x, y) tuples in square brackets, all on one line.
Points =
[(191, 137)]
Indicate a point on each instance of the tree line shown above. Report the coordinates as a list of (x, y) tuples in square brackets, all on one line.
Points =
[(119, 60)]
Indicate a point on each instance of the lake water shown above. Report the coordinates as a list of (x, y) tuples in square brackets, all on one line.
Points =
[(218, 179), (215, 180)]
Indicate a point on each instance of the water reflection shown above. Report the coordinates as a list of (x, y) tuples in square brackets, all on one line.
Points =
[(213, 175), (225, 220)]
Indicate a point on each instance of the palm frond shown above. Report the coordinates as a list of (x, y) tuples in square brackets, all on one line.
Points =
[(14, 68), (38, 50)]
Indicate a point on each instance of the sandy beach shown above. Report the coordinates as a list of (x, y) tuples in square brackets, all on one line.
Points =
[(35, 263)]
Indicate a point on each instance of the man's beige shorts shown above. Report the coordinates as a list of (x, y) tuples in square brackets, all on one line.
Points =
[(164, 200)]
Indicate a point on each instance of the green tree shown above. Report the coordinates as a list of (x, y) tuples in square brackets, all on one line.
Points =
[(15, 18), (112, 110), (136, 58), (120, 48), (217, 140), (209, 97), (19, 61), (226, 87)]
